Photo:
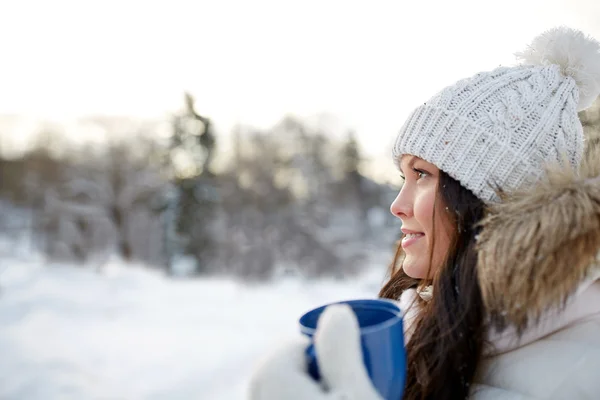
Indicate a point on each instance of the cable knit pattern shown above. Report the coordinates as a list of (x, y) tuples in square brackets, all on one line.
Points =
[(497, 129)]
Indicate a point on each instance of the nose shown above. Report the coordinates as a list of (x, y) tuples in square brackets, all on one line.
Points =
[(401, 207)]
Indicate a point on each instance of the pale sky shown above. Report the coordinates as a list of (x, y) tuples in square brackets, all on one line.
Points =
[(366, 63)]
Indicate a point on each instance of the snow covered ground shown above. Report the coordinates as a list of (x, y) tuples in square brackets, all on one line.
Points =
[(129, 333)]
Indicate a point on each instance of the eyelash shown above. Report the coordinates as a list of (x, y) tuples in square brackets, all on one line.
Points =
[(419, 172)]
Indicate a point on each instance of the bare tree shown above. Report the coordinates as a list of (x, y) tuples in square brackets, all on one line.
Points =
[(109, 204)]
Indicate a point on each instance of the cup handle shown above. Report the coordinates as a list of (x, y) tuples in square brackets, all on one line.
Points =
[(311, 362)]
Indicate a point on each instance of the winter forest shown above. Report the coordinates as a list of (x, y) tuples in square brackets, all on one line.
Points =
[(290, 200)]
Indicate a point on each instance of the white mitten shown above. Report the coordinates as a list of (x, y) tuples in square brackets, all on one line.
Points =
[(337, 343)]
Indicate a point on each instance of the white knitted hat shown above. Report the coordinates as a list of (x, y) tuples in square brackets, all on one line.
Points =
[(498, 129)]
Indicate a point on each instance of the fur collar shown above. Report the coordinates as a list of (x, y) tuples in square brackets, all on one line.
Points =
[(538, 245)]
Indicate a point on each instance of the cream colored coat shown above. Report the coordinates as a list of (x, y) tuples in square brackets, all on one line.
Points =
[(557, 359), (539, 271)]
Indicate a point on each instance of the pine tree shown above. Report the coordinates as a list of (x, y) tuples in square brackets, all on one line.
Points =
[(192, 149)]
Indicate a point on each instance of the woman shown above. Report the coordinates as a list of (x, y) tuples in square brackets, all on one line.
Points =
[(497, 271)]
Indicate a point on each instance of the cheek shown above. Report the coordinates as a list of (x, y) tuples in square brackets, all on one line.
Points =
[(423, 211), (440, 234), (444, 231)]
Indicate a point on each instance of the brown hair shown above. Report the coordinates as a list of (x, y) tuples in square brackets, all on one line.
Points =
[(446, 343)]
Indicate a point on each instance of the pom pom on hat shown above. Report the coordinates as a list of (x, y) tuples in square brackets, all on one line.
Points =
[(577, 55)]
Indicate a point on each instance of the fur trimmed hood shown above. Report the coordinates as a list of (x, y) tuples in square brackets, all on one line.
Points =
[(537, 246)]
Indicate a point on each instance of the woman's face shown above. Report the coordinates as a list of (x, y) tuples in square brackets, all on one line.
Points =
[(414, 205)]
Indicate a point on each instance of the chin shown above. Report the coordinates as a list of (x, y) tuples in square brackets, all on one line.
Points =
[(414, 270)]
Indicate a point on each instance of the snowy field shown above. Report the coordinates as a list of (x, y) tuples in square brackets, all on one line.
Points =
[(129, 333)]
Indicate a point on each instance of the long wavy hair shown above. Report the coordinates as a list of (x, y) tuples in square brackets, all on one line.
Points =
[(448, 335)]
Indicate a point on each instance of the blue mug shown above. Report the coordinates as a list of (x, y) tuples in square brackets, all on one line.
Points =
[(382, 342)]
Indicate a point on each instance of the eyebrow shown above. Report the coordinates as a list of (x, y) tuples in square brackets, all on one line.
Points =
[(410, 163)]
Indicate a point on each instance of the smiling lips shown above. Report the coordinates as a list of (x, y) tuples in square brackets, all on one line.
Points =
[(410, 238)]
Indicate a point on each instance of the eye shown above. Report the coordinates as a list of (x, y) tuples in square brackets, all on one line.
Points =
[(420, 173)]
